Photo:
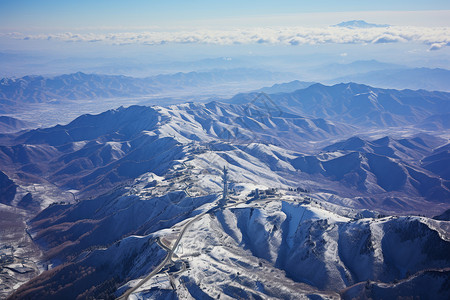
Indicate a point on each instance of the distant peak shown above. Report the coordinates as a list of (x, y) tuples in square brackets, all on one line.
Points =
[(359, 24), (74, 74), (352, 87), (317, 86)]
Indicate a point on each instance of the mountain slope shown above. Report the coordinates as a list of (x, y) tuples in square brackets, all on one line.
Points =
[(7, 189), (439, 161), (436, 282)]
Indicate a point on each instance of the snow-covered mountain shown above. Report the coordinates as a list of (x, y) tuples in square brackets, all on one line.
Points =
[(283, 247), (286, 195), (436, 282), (94, 153), (359, 24)]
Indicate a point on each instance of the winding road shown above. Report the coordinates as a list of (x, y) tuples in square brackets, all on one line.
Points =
[(169, 255), (166, 260)]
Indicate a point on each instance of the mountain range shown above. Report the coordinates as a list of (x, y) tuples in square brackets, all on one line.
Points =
[(381, 74), (94, 153), (17, 92), (380, 166), (401, 78), (322, 192), (335, 70), (357, 104)]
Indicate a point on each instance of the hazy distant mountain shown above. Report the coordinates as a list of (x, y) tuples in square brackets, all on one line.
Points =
[(358, 104), (383, 75), (337, 70), (21, 64), (287, 87), (359, 24), (37, 89), (81, 86), (436, 122), (10, 124), (415, 79)]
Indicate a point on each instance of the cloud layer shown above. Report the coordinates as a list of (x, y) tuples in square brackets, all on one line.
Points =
[(436, 37)]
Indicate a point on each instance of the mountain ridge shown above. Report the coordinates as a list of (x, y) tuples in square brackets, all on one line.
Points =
[(359, 104), (431, 79)]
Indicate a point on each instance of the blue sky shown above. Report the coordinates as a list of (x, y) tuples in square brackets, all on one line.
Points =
[(198, 28), (44, 14)]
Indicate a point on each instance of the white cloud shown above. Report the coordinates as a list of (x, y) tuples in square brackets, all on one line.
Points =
[(437, 46), (436, 37)]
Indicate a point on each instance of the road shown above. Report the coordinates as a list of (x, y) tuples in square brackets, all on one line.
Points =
[(169, 255), (165, 261)]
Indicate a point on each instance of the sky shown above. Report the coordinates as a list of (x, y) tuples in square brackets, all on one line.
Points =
[(418, 29), (55, 15)]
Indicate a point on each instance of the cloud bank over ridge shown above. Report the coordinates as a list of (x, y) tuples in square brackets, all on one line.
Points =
[(436, 37)]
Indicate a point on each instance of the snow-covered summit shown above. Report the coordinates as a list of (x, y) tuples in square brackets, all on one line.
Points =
[(359, 24)]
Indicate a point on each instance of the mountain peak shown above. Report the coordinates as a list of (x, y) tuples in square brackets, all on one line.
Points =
[(359, 24)]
